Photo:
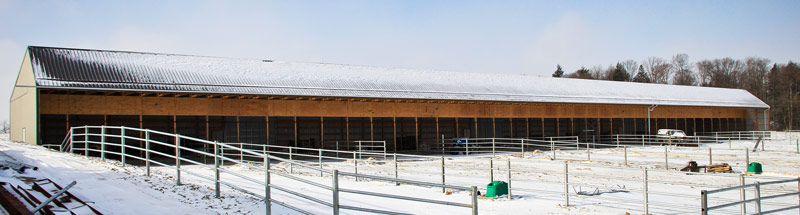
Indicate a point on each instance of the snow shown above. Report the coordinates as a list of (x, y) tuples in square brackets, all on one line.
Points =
[(537, 182), (117, 70)]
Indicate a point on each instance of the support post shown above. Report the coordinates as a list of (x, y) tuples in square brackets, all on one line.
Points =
[(509, 179), (566, 183), (493, 150), (643, 138), (267, 198), (72, 141), (553, 148), (474, 190), (291, 163), (86, 141), (710, 161), (216, 169), (758, 197), (644, 192), (147, 150), (742, 194), (335, 189), (396, 182), (491, 170), (355, 165), (666, 157), (443, 182), (703, 202), (588, 152), (177, 160), (320, 162), (103, 142), (746, 158), (625, 150), (122, 143)]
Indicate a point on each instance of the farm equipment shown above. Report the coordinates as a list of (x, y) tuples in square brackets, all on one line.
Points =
[(692, 166)]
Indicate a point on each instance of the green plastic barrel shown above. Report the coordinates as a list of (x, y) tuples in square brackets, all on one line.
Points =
[(496, 188), (754, 167)]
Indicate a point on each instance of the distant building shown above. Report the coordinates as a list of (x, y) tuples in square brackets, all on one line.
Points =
[(310, 104)]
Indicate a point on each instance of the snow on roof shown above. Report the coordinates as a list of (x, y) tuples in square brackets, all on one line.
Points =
[(120, 70)]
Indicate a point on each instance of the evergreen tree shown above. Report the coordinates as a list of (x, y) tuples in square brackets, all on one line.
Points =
[(620, 74), (641, 76), (559, 72)]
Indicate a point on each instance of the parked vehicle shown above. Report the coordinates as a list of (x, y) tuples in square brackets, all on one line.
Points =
[(671, 136)]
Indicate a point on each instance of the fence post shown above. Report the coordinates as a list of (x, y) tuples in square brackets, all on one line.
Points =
[(666, 157), (509, 179), (443, 183), (625, 150), (522, 146), (335, 189), (709, 156), (103, 142), (742, 194), (729, 142), (763, 142), (588, 152), (644, 193), (147, 150), (216, 169), (566, 183), (291, 164), (797, 144), (704, 202), (86, 141), (122, 143), (466, 145), (642, 139), (320, 162), (474, 190), (71, 140), (178, 159), (493, 150), (746, 158), (355, 165), (758, 197), (267, 198), (396, 183), (491, 170), (552, 148), (617, 140)]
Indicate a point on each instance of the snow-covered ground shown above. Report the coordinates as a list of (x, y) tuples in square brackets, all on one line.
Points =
[(537, 182)]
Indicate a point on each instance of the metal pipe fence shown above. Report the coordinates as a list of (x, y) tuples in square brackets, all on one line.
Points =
[(158, 149), (453, 176), (759, 199)]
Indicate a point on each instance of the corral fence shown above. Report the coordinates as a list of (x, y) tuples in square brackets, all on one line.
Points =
[(173, 151), (761, 194)]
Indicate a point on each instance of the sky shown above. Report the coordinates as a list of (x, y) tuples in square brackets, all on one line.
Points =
[(511, 37)]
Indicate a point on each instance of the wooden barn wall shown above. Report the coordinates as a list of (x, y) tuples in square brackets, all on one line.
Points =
[(136, 105)]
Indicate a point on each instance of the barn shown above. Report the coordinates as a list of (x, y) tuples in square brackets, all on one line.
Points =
[(311, 104)]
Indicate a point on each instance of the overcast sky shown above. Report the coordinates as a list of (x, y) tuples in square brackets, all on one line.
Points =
[(516, 37)]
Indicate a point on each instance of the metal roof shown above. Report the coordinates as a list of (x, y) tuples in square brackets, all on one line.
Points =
[(69, 68)]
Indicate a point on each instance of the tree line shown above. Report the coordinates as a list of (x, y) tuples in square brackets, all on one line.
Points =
[(776, 84)]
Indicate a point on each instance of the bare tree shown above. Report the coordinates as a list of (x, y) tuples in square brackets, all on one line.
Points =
[(658, 69), (4, 128), (630, 66), (597, 72), (683, 70), (754, 78)]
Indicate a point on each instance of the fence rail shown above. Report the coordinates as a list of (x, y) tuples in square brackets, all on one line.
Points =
[(758, 198)]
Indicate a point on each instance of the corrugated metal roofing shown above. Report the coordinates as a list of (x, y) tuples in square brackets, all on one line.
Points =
[(120, 70)]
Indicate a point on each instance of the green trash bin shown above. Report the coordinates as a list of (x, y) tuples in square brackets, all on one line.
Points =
[(754, 167), (496, 188)]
